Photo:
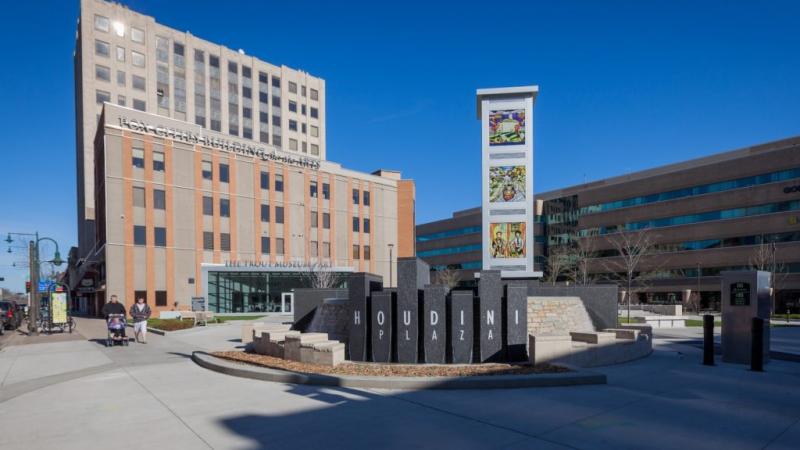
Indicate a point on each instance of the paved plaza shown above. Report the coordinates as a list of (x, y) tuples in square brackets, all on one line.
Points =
[(79, 394)]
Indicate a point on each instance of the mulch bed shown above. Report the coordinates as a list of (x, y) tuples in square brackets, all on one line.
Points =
[(391, 370)]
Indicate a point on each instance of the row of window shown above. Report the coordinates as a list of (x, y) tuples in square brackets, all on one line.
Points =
[(102, 23), (137, 159), (161, 297), (102, 96), (772, 177), (734, 213), (450, 250), (457, 266), (448, 233), (706, 244)]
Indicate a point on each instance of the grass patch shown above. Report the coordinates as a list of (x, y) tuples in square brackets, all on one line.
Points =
[(783, 316), (624, 319), (170, 324), (699, 323), (223, 319)]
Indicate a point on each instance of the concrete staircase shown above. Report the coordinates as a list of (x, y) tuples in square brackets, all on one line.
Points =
[(281, 342)]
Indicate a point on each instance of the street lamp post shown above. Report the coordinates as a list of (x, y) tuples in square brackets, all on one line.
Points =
[(33, 255)]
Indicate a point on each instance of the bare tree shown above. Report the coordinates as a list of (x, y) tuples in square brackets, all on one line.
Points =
[(580, 253), (765, 258), (321, 276), (632, 247), (557, 262), (448, 277)]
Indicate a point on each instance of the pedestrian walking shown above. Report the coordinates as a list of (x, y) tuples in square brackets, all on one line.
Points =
[(140, 312)]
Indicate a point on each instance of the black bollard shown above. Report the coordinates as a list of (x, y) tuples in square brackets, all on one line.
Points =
[(708, 340), (757, 346)]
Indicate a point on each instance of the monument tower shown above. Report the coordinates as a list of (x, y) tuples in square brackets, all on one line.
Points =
[(506, 116)]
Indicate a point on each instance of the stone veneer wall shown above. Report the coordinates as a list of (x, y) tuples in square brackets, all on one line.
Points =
[(557, 315)]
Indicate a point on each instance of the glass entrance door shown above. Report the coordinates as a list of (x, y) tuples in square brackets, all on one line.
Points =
[(287, 302)]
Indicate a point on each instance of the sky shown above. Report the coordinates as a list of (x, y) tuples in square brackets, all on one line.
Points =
[(623, 86)]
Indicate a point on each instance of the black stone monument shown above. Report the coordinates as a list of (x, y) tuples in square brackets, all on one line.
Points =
[(381, 314), (516, 322), (412, 276), (490, 319), (360, 286), (460, 326), (434, 325)]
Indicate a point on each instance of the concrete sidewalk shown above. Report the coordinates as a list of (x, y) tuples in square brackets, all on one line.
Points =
[(668, 400)]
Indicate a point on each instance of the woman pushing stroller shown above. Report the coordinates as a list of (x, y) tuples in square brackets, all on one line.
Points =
[(114, 313)]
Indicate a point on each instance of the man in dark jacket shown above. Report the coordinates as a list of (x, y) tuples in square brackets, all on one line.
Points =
[(114, 307), (140, 312)]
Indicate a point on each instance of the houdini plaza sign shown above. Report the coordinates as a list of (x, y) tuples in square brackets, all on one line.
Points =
[(255, 151)]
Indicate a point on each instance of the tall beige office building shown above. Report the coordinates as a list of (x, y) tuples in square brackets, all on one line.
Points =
[(202, 172)]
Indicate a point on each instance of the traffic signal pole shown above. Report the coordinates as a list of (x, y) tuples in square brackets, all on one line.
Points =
[(33, 310)]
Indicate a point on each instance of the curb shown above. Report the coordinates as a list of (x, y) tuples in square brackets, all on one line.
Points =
[(226, 367)]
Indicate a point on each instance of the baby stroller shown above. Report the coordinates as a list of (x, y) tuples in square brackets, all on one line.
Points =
[(116, 330)]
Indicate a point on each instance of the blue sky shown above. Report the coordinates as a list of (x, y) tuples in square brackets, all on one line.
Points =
[(624, 86)]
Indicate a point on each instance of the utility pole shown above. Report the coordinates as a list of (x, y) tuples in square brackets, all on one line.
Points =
[(33, 313), (391, 247)]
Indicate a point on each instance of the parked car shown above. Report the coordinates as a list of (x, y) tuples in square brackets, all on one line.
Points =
[(11, 313)]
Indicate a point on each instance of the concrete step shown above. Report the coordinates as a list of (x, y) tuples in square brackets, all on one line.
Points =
[(623, 333), (593, 337)]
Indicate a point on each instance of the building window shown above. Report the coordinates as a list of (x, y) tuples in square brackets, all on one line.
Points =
[(102, 97), (101, 23), (120, 54), (293, 87), (137, 35), (137, 59), (305, 146), (313, 248), (366, 198), (276, 140), (314, 219), (326, 249), (314, 149), (265, 213), (140, 294), (139, 105), (356, 252), (224, 207), (292, 143), (326, 221), (314, 113), (138, 83), (158, 161), (366, 225), (160, 236), (161, 298), (279, 214), (278, 183), (206, 170), (356, 223), (102, 49), (326, 191), (138, 157), (138, 197), (225, 242), (264, 180), (208, 240), (159, 199), (265, 245), (303, 91), (121, 78), (356, 196), (312, 189), (102, 73), (366, 252), (303, 128), (314, 131), (314, 94), (292, 125), (279, 246), (208, 206), (139, 235), (303, 110), (276, 82), (121, 100), (263, 117), (224, 173), (292, 108)]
